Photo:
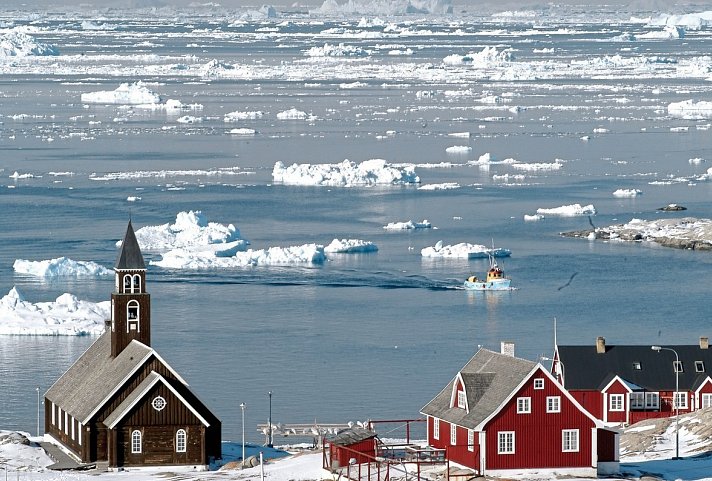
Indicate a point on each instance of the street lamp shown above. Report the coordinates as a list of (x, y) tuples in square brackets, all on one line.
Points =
[(560, 366), (242, 408), (269, 444), (676, 368), (38, 411)]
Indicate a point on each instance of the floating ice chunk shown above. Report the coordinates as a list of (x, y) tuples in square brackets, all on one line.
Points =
[(144, 174), (340, 50), (533, 218), (18, 44), (16, 175), (627, 193), (669, 32), (464, 135), (189, 119), (61, 266), (537, 166), (425, 224), (689, 109), (187, 259), (345, 174), (346, 246), (243, 131), (132, 198), (459, 149), (67, 316), (696, 161), (486, 58), (569, 210), (443, 186), (125, 94), (191, 229), (238, 116), (294, 114), (391, 7), (463, 250), (215, 68)]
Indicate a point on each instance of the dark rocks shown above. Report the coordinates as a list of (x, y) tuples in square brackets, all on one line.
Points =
[(672, 208)]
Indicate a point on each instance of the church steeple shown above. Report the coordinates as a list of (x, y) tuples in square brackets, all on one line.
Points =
[(130, 303)]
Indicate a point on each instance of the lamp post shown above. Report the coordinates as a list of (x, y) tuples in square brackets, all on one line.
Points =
[(269, 444), (675, 396), (242, 408), (38, 411), (560, 365)]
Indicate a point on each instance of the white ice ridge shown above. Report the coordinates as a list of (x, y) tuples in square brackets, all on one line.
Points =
[(191, 230), (238, 116), (61, 266), (463, 250), (689, 109), (537, 166), (67, 316), (191, 259), (344, 174), (568, 210), (136, 93), (346, 246), (486, 58), (340, 50), (686, 229), (387, 7), (627, 193), (145, 174), (425, 224), (442, 186), (18, 44)]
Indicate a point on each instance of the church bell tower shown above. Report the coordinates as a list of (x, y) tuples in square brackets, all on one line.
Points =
[(130, 303)]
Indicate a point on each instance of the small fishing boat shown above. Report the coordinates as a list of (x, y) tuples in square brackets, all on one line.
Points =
[(495, 281)]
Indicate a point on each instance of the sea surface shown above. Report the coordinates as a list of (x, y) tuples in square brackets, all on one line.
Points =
[(361, 336)]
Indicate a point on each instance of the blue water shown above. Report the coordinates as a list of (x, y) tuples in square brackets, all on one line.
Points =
[(368, 335)]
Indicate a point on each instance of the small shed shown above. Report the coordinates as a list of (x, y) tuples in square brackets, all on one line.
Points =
[(349, 444)]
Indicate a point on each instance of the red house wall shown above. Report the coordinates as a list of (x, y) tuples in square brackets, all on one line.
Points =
[(592, 401), (458, 453), (616, 416), (366, 451), (538, 436), (706, 389)]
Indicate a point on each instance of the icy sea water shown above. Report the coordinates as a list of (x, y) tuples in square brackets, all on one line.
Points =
[(363, 335)]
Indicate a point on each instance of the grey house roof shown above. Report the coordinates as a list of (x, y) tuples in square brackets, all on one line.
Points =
[(489, 378), (130, 256), (95, 375), (585, 369)]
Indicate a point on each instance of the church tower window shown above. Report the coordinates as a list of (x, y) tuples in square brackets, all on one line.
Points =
[(132, 316)]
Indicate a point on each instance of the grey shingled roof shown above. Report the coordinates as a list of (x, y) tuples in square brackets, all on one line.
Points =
[(130, 256), (585, 369), (136, 394), (352, 435), (89, 381), (489, 378)]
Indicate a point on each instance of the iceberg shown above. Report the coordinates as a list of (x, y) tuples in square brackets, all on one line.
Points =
[(340, 50), (61, 266), (347, 246), (345, 174), (425, 224), (18, 44), (125, 94), (691, 110), (463, 250), (459, 149), (237, 116), (385, 7), (569, 210), (627, 193), (66, 316), (191, 259), (294, 114)]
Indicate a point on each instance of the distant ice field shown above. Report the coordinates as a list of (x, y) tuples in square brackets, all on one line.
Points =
[(546, 109)]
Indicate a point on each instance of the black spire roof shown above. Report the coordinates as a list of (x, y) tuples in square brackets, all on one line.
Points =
[(130, 256)]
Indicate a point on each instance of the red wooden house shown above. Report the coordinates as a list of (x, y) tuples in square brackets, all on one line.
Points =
[(624, 384), (502, 415), (120, 401)]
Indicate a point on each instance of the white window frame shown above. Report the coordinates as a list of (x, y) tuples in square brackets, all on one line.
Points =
[(461, 399), (680, 396), (616, 402), (453, 435), (637, 400), (471, 440), (136, 442), (677, 366), (649, 396), (72, 422), (128, 284), (436, 428), (79, 432), (136, 284), (699, 366), (706, 400), (539, 383), (506, 442), (181, 441), (570, 440), (66, 423), (133, 304), (553, 404), (54, 414), (637, 366), (524, 405)]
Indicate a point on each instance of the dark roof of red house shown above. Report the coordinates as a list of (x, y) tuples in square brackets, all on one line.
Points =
[(641, 367)]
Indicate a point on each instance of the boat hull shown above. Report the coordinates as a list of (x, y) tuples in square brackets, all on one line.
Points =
[(493, 285)]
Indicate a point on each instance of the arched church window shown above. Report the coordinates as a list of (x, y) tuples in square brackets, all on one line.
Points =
[(132, 316), (127, 283), (180, 441), (136, 441), (136, 284)]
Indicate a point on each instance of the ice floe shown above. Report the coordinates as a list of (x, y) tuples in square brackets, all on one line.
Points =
[(568, 210), (459, 149), (238, 116), (19, 44), (389, 7), (340, 50), (60, 266), (627, 193), (344, 174), (148, 174), (294, 114), (463, 250), (689, 109), (125, 94), (192, 259), (442, 186), (407, 225), (243, 131), (534, 166), (346, 246), (488, 57), (66, 316)]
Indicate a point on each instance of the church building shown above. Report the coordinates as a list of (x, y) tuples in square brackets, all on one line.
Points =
[(120, 401)]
